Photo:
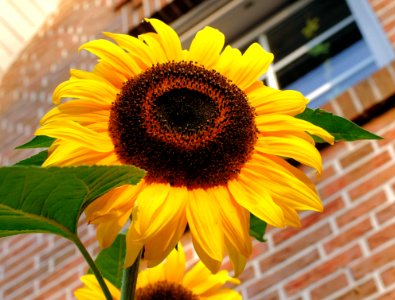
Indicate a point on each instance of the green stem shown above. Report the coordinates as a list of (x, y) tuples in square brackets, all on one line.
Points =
[(129, 280), (93, 267)]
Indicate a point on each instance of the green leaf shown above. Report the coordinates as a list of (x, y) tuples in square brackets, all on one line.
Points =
[(257, 228), (51, 200), (341, 128), (35, 160), (110, 261), (39, 141)]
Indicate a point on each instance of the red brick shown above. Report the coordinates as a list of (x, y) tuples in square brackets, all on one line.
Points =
[(321, 271), (384, 235), (310, 220), (354, 174), (362, 208), (381, 121), (385, 214), (373, 262), (61, 284), (258, 248), (388, 276), (21, 292), (296, 246), (346, 237), (272, 296), (327, 173), (372, 181), (360, 292), (355, 156), (334, 152), (384, 82), (18, 271), (54, 276), (247, 274), (347, 106), (17, 245), (388, 137), (326, 289), (365, 94), (58, 245), (329, 107), (271, 278), (34, 248), (27, 280), (388, 296)]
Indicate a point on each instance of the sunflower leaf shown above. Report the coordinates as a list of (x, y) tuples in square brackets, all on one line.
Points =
[(39, 141), (50, 200), (35, 160), (110, 261), (257, 228), (341, 128)]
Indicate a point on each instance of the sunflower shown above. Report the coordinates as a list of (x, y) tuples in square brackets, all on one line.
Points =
[(169, 280), (212, 138)]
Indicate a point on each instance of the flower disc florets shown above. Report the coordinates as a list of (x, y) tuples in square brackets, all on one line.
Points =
[(161, 290), (185, 125)]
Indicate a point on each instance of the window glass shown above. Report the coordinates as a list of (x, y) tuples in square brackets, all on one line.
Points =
[(319, 50)]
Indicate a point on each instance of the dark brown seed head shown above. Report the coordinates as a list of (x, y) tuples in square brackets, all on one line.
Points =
[(185, 125)]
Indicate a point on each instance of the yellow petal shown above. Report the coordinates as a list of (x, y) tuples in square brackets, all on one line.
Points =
[(255, 62), (81, 74), (255, 198), (158, 220), (118, 201), (163, 240), (237, 259), (202, 282), (175, 265), (74, 132), (135, 47), (107, 232), (75, 109), (168, 38), (235, 220), (113, 55), (267, 100), (291, 216), (151, 275), (244, 70), (157, 248), (153, 42), (205, 224), (229, 63), (206, 47), (290, 125), (133, 248), (92, 289), (63, 153), (286, 187), (107, 71), (151, 210), (290, 146), (97, 91), (84, 118), (223, 294)]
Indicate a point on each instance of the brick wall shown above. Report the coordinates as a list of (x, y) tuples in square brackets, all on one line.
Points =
[(385, 12), (347, 252)]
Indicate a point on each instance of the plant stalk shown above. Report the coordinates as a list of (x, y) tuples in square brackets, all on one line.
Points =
[(129, 279), (93, 267)]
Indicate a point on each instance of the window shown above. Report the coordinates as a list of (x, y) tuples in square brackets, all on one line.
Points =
[(319, 48)]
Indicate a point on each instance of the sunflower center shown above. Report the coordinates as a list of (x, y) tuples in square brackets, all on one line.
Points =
[(185, 125), (184, 110), (164, 290)]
